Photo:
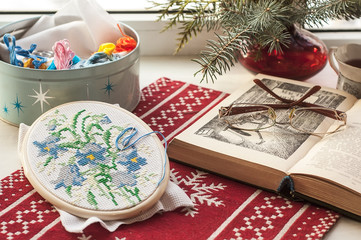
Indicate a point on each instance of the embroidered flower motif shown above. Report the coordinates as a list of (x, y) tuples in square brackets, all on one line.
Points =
[(105, 120), (52, 125), (69, 175), (87, 164), (91, 153), (133, 161), (123, 179), (49, 147)]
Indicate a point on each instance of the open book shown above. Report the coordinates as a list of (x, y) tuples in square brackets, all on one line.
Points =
[(326, 169)]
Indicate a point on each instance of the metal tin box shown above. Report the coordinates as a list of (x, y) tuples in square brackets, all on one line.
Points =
[(26, 93)]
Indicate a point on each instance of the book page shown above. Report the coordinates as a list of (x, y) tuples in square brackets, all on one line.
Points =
[(279, 146), (338, 156)]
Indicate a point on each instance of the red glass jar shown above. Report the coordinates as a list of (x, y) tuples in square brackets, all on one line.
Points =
[(305, 56)]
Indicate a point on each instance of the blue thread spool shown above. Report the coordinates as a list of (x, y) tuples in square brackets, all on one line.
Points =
[(27, 93)]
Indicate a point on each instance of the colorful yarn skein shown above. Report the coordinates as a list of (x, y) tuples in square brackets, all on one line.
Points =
[(108, 48), (64, 57), (125, 43), (98, 57), (104, 54), (31, 63), (30, 60)]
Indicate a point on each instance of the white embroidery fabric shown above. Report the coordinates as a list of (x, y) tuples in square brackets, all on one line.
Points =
[(71, 151), (173, 198)]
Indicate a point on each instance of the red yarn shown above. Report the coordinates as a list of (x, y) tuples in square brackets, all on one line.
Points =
[(125, 43)]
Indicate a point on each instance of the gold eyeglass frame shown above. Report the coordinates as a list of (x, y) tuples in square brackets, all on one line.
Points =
[(234, 109), (226, 111)]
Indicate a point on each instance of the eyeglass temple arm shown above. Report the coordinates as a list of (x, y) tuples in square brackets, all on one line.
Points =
[(312, 91), (300, 101)]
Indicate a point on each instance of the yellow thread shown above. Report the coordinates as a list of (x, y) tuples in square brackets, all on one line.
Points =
[(108, 48), (28, 63), (91, 157), (134, 159), (47, 149)]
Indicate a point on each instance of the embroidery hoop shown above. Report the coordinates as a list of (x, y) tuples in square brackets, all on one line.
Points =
[(105, 214)]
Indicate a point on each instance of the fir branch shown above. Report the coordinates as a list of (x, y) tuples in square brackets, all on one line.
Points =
[(320, 12), (191, 28), (232, 14), (221, 54), (275, 38), (266, 13), (180, 10), (247, 23)]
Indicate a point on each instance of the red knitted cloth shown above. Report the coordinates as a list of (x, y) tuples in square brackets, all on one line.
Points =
[(224, 209)]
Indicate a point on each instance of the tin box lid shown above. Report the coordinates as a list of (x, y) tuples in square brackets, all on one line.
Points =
[(71, 158)]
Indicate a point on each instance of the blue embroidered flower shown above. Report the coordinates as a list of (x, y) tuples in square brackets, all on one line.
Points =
[(91, 153), (52, 125), (69, 175), (105, 120), (121, 179), (49, 147), (134, 161)]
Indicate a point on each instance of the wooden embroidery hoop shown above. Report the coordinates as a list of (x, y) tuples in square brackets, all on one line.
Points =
[(84, 212)]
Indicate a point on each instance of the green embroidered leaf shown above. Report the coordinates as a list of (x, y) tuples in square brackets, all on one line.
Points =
[(72, 160), (134, 193), (75, 119), (113, 198), (48, 160), (66, 129), (106, 138), (68, 190), (89, 128), (74, 145), (91, 199), (83, 123)]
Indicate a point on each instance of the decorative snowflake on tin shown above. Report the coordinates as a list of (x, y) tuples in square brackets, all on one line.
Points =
[(17, 105), (41, 97), (5, 109), (109, 87)]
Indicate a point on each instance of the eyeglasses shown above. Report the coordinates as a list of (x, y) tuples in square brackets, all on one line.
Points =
[(255, 117)]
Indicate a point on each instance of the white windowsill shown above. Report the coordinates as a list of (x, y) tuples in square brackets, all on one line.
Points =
[(149, 29)]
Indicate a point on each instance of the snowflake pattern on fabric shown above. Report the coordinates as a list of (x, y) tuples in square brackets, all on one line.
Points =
[(199, 191), (78, 160)]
